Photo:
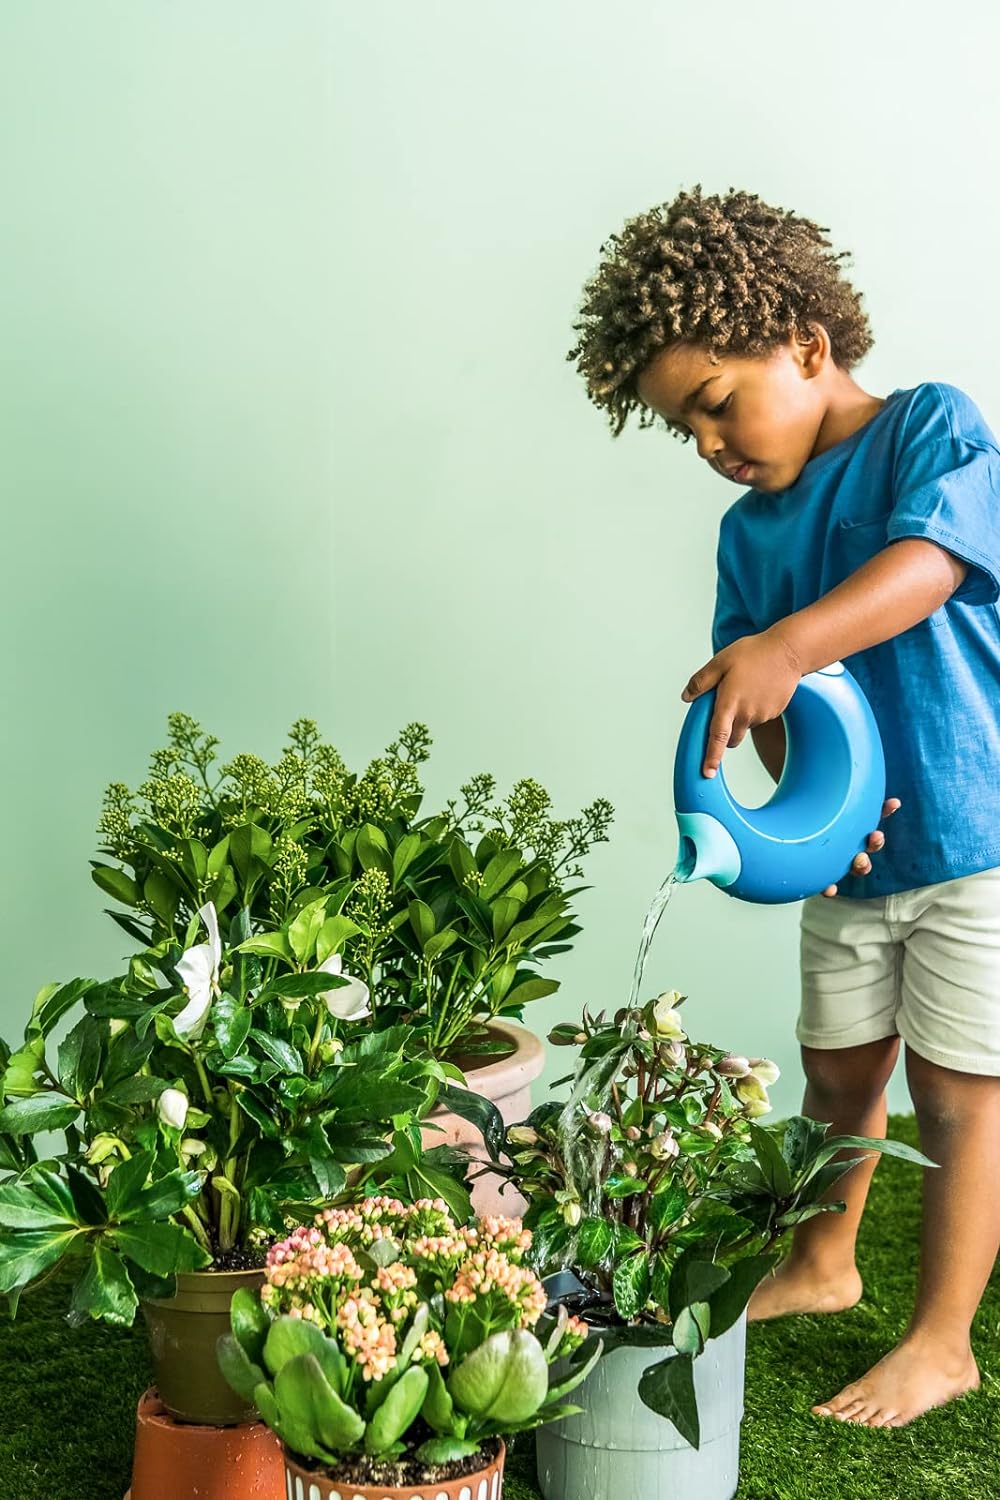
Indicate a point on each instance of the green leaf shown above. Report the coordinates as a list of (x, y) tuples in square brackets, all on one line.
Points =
[(505, 913), (298, 986), (479, 1111), (250, 1323), (26, 1253), (445, 1450), (500, 872), (252, 1107), (52, 1003), (802, 1137), (79, 1056), (773, 1165), (167, 1195), (236, 1365), (232, 1022), (161, 896), (398, 1411), (372, 849), (619, 1186), (403, 856), (116, 883), (425, 1182), (306, 1397), (666, 1208), (837, 1143), (438, 1410), (504, 1380), (630, 1285), (164, 1249), (287, 1057), (593, 1242), (46, 1111), (268, 945), (126, 1182), (104, 1290), (22, 1208), (306, 928), (247, 844), (287, 1338), (728, 1301), (422, 921), (217, 856), (531, 988), (668, 1389), (694, 1279)]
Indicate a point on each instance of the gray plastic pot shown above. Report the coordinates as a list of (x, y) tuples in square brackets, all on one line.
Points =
[(617, 1446)]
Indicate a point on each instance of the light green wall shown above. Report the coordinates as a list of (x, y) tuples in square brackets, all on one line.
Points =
[(286, 426)]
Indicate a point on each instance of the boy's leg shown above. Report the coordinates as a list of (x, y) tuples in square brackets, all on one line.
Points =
[(845, 1086), (949, 1017), (959, 1119)]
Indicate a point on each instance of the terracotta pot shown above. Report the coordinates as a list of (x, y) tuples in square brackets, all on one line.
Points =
[(507, 1082), (313, 1484), (178, 1460), (183, 1331)]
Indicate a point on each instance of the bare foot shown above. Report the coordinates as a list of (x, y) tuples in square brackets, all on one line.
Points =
[(914, 1377), (803, 1289)]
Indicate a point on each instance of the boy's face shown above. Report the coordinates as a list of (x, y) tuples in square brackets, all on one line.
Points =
[(757, 416)]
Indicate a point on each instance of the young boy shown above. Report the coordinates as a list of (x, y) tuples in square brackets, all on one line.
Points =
[(871, 535)]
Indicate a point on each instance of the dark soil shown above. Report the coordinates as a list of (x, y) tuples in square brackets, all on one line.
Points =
[(238, 1259), (407, 1473)]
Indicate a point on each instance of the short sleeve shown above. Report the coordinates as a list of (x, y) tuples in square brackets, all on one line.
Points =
[(731, 619), (946, 489)]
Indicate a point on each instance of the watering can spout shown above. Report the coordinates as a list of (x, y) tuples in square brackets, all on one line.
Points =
[(707, 851)]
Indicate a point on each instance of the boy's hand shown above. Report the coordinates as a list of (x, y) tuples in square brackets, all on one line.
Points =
[(861, 864), (755, 678)]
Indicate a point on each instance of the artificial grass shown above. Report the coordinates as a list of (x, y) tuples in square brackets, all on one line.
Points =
[(68, 1395)]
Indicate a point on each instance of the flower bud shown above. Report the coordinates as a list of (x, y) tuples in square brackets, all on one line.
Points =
[(673, 1054), (752, 1095), (709, 1127), (330, 1049), (664, 1146), (765, 1070), (598, 1121), (633, 1133), (522, 1135), (101, 1147), (733, 1066), (572, 1214), (757, 1107), (172, 1108)]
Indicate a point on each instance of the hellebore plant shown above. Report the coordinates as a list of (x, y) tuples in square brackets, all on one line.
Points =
[(443, 917), (203, 1107), (387, 1334), (656, 1187)]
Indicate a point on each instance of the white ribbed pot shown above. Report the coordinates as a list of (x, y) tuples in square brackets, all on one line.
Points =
[(618, 1447)]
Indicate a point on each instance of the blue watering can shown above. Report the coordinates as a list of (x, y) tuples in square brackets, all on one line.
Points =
[(828, 801)]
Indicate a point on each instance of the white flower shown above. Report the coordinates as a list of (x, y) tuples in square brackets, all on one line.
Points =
[(765, 1070), (666, 1019), (598, 1121), (352, 1001), (172, 1108), (198, 968), (572, 1214), (522, 1135), (733, 1066), (663, 1146)]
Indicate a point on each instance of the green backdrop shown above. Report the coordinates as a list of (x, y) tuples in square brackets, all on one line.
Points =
[(286, 426)]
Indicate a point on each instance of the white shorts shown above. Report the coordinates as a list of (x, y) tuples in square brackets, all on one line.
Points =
[(922, 964)]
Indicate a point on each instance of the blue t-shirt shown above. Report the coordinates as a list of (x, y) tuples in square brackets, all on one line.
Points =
[(926, 465)]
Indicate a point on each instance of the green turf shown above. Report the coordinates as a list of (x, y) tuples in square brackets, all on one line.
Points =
[(67, 1398)]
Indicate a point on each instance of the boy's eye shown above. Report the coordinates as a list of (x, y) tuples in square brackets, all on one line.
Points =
[(716, 411)]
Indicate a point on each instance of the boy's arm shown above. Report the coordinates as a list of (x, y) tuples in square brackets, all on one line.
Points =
[(757, 675)]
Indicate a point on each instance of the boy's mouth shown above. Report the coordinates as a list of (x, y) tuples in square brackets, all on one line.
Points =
[(740, 474)]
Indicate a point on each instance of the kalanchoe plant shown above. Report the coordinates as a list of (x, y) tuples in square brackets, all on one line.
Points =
[(655, 1185), (387, 1334), (443, 917), (203, 1106)]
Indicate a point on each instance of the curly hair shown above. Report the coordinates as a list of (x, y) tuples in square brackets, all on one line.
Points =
[(729, 273)]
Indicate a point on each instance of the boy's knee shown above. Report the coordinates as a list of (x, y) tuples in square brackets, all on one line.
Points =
[(858, 1074)]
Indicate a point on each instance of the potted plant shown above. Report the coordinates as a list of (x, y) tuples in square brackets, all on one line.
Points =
[(202, 1108), (445, 918), (391, 1349), (654, 1184)]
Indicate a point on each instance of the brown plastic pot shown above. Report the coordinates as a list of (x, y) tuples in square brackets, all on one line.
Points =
[(178, 1460), (508, 1083), (183, 1331), (314, 1484)]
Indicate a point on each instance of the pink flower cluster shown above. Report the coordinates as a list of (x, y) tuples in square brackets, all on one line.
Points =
[(315, 1274)]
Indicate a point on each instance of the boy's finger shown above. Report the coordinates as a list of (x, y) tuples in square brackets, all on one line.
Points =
[(891, 805), (876, 841), (861, 865), (705, 678), (831, 890), (719, 732)]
